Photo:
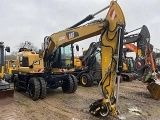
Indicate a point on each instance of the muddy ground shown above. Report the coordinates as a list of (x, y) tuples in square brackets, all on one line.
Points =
[(60, 106)]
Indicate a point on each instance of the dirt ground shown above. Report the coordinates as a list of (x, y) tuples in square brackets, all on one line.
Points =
[(60, 106)]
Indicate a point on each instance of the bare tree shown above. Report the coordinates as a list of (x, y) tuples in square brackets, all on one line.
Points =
[(25, 44), (28, 45)]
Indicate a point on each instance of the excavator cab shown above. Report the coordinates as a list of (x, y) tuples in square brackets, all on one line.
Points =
[(63, 58)]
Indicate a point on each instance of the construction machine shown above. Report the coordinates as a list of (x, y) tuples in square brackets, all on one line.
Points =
[(10, 69), (111, 31), (5, 90), (144, 60), (90, 69), (32, 77), (58, 57)]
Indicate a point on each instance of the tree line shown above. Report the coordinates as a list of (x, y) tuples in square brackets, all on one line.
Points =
[(13, 54)]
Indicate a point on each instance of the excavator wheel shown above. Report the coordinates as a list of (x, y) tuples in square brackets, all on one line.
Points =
[(34, 88), (70, 84), (86, 80), (75, 83), (43, 88), (16, 84)]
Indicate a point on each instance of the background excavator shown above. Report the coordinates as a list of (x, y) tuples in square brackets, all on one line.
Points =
[(10, 69), (89, 68), (5, 90), (144, 60), (111, 31), (90, 64)]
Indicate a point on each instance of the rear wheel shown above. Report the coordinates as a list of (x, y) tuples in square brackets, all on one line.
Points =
[(16, 84), (86, 80), (34, 88), (43, 88), (75, 81), (70, 84)]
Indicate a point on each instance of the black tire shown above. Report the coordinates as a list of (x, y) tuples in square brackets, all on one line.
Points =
[(86, 80), (12, 78), (69, 85), (7, 78), (43, 88), (16, 84), (75, 81), (34, 88)]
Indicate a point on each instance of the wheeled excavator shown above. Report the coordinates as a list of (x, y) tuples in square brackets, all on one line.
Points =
[(5, 90), (89, 69), (33, 78), (58, 57), (111, 31)]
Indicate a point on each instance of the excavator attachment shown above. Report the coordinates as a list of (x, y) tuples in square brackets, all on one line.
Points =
[(153, 80), (154, 89)]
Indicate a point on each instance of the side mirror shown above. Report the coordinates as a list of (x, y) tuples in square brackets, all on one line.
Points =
[(7, 49), (77, 47), (40, 53)]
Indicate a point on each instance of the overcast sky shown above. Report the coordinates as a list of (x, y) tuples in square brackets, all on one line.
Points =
[(32, 20)]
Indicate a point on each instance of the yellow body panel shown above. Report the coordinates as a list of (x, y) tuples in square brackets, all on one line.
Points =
[(2, 72), (77, 63), (139, 52), (33, 59), (125, 67), (11, 65)]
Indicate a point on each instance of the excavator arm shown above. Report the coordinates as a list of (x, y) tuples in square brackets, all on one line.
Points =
[(111, 31)]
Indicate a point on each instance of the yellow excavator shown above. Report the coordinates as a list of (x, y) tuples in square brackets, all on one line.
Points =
[(5, 90), (90, 62), (58, 53), (10, 69), (32, 78), (58, 57)]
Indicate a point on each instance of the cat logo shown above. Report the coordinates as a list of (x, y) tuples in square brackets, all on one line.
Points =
[(36, 63), (72, 34)]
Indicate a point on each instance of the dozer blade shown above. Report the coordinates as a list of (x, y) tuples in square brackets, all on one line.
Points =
[(6, 94)]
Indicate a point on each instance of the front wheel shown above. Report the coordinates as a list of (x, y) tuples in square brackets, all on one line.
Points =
[(17, 84)]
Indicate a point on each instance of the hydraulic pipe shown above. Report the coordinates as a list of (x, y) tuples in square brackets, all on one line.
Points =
[(132, 31), (89, 17)]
